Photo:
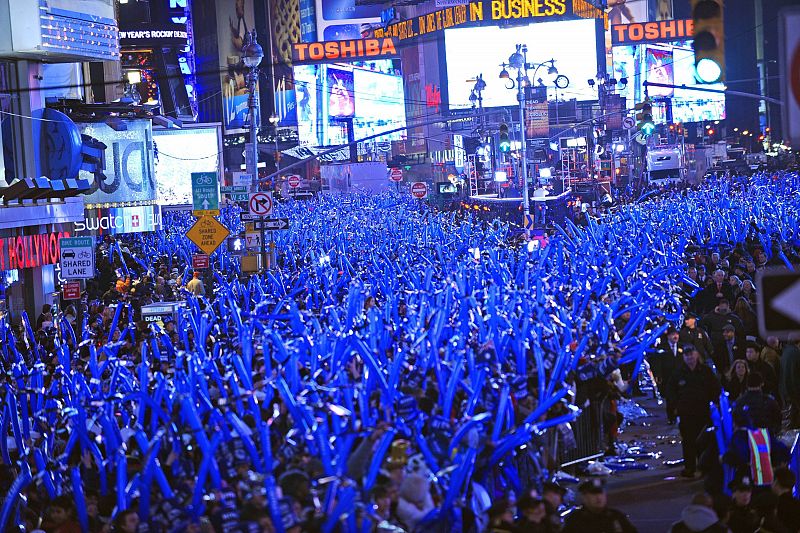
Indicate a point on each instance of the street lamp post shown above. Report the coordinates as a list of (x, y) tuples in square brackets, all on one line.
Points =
[(519, 61), (274, 119), (252, 54)]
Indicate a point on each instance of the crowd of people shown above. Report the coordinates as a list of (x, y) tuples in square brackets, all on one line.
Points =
[(399, 369)]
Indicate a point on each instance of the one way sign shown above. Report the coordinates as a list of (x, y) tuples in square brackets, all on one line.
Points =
[(778, 293), (272, 224)]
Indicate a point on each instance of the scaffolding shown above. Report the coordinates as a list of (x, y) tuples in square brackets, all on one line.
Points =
[(574, 162), (479, 184)]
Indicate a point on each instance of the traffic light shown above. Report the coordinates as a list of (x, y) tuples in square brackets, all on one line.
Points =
[(645, 118), (709, 40), (505, 143)]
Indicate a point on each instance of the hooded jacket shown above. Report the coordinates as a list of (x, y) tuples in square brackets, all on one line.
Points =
[(698, 519), (415, 501)]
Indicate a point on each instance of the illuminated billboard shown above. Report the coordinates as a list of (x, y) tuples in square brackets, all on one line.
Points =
[(571, 43), (339, 20), (127, 164), (179, 153), (235, 18), (380, 104), (329, 95), (119, 220), (78, 30), (671, 64)]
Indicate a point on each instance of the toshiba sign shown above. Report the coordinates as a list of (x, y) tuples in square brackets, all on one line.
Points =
[(651, 32), (352, 49)]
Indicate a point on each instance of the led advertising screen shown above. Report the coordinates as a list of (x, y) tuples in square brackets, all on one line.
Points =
[(326, 95), (669, 63), (380, 104), (127, 173), (178, 153), (570, 42), (84, 8), (306, 86), (339, 20)]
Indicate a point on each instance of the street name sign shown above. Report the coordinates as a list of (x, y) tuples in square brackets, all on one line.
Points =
[(207, 233), (77, 257), (237, 193), (778, 292), (205, 194)]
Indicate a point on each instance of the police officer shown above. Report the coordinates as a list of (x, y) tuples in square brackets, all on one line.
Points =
[(595, 515), (691, 333), (690, 389), (742, 517)]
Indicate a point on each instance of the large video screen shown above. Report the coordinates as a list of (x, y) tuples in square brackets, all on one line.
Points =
[(179, 152), (127, 174), (327, 95), (380, 105), (473, 51), (670, 64)]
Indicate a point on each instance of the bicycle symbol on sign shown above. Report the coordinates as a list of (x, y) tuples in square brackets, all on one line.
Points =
[(204, 180)]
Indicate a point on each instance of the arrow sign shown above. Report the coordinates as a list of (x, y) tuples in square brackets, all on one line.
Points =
[(788, 302), (272, 224), (528, 222), (778, 292)]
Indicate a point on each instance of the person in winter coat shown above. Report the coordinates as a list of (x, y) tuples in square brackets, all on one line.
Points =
[(771, 354), (735, 380), (415, 501), (595, 515), (690, 390), (790, 377), (756, 409), (699, 517), (692, 333)]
